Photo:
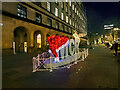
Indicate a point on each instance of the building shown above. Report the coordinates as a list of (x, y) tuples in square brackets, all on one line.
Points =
[(26, 25)]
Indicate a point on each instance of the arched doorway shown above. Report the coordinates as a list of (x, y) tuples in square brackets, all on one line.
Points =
[(37, 40), (20, 39)]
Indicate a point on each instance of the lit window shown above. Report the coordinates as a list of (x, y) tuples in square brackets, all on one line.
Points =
[(56, 11), (75, 10), (62, 16), (48, 6), (38, 18), (22, 11), (67, 19), (70, 21), (70, 3), (73, 7), (57, 25), (49, 22)]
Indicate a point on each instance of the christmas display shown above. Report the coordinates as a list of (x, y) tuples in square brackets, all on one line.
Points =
[(62, 52)]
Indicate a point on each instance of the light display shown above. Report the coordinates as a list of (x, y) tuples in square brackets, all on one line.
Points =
[(61, 43), (56, 43)]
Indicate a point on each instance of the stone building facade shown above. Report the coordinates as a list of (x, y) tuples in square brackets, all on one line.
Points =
[(24, 21)]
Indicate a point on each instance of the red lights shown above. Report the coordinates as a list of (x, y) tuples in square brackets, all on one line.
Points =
[(55, 42)]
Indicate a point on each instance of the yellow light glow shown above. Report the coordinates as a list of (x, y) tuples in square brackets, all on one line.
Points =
[(25, 46), (39, 41)]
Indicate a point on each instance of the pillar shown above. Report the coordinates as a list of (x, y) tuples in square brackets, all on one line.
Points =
[(43, 41)]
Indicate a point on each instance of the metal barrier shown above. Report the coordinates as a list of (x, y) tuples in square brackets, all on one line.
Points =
[(40, 64)]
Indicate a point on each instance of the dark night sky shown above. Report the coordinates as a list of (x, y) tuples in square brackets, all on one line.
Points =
[(100, 13)]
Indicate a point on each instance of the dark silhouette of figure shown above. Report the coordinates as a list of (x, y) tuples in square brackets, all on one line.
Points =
[(116, 48)]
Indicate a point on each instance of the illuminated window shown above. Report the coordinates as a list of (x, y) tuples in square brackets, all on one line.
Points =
[(57, 25), (67, 19), (75, 10), (73, 7), (62, 16), (22, 11), (49, 22), (56, 11), (48, 6), (39, 41), (70, 21), (70, 3), (38, 18), (73, 23)]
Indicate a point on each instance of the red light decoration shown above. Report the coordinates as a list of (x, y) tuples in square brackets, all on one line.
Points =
[(55, 42)]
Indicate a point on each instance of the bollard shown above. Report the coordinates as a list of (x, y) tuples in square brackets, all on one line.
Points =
[(34, 65)]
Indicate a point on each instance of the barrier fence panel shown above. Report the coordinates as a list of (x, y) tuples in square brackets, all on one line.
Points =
[(65, 61)]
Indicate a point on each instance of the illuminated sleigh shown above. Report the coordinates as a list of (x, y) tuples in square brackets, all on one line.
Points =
[(62, 54)]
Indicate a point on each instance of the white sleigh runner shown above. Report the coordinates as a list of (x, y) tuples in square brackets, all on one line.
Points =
[(50, 63)]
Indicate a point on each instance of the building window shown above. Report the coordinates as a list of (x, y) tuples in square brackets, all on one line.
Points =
[(63, 28), (73, 7), (62, 5), (75, 10), (56, 11), (70, 3), (70, 21), (66, 8), (22, 11), (38, 18), (67, 19), (48, 6), (73, 15), (73, 23), (57, 25), (49, 22), (62, 16), (67, 29), (38, 3)]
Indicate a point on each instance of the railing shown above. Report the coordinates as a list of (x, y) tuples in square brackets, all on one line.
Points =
[(40, 64)]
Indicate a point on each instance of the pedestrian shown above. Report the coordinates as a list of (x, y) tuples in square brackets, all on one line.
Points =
[(116, 48)]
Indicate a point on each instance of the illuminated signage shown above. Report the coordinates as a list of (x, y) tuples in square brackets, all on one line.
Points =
[(62, 46)]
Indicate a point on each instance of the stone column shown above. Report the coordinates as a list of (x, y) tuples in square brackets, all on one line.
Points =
[(31, 42), (43, 41)]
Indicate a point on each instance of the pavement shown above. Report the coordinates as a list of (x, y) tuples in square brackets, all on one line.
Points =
[(99, 70)]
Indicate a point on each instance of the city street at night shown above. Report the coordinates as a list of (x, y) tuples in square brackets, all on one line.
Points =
[(99, 70), (60, 44)]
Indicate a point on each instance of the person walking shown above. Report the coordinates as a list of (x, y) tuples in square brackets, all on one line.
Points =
[(116, 48)]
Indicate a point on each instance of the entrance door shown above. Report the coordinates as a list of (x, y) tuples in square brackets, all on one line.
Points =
[(20, 38)]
